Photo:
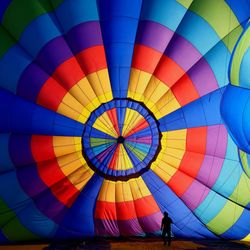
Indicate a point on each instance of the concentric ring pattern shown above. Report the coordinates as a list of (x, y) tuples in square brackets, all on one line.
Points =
[(110, 115), (120, 140)]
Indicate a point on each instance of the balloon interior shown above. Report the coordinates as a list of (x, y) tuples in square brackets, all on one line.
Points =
[(115, 111)]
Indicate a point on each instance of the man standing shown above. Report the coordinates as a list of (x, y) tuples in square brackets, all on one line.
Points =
[(166, 228)]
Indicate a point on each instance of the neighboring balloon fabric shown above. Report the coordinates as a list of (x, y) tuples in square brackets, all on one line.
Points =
[(110, 115), (235, 105)]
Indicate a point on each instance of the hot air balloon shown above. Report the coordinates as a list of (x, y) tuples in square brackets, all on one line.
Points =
[(110, 115)]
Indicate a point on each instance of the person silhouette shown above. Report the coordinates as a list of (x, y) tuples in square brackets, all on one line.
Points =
[(166, 228)]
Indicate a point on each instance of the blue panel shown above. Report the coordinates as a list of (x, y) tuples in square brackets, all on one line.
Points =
[(218, 58), (5, 160), (244, 70), (20, 116), (202, 112), (42, 29), (12, 65), (117, 16), (198, 32), (24, 207), (3, 239), (185, 223), (241, 227), (235, 108), (3, 7), (82, 211), (71, 13), (240, 10), (160, 10)]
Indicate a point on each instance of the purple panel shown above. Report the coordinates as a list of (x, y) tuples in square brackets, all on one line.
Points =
[(210, 170), (195, 194), (84, 35), (106, 228), (53, 54), (203, 77), (20, 152), (151, 223), (216, 141), (130, 227), (182, 52), (31, 81), (40, 193), (153, 35)]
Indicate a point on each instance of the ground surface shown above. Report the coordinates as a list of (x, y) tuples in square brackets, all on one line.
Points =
[(138, 244)]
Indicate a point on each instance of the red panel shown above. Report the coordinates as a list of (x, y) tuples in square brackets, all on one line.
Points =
[(105, 210), (51, 94), (50, 172), (58, 183), (168, 71), (146, 206), (42, 147), (68, 73), (92, 59), (113, 118), (115, 156), (145, 58), (185, 91), (180, 182), (191, 161), (125, 210)]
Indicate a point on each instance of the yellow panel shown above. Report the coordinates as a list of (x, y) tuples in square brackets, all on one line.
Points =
[(107, 192), (68, 159), (241, 194), (105, 82), (164, 170), (132, 118), (247, 238), (68, 111), (95, 84), (104, 124), (226, 218), (125, 162), (84, 93), (66, 145), (69, 100), (176, 134), (122, 192), (166, 105), (138, 83), (81, 177), (138, 188), (178, 144), (155, 90)]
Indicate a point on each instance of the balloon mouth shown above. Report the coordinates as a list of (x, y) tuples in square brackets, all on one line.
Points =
[(121, 139)]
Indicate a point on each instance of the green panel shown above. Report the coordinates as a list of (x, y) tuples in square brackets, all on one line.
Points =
[(11, 226), (221, 18), (231, 39), (6, 41), (185, 3), (20, 13), (98, 141)]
